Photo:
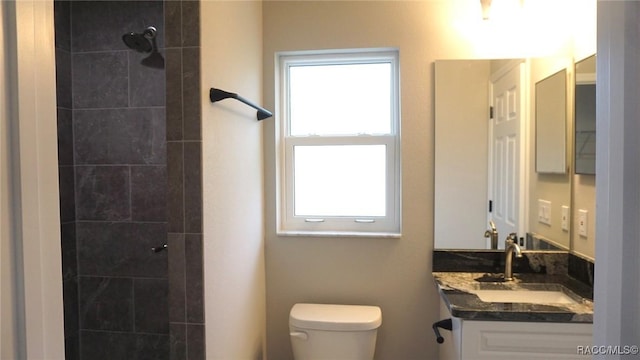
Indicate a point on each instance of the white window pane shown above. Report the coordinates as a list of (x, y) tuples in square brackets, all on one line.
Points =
[(340, 99), (340, 180)]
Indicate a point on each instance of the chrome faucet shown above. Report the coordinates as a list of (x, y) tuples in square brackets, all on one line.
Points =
[(510, 247), (493, 234)]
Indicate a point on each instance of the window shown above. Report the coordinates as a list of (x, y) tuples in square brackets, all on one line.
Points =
[(338, 141)]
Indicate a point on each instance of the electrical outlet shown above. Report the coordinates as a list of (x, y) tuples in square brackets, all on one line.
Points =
[(544, 211), (564, 219), (583, 222)]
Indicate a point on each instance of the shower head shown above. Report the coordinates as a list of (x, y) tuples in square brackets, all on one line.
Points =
[(144, 42)]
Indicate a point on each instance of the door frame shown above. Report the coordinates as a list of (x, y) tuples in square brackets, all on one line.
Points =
[(31, 230)]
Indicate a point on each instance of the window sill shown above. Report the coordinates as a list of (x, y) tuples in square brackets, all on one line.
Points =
[(359, 234)]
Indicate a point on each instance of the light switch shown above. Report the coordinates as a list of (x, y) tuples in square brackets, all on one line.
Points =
[(583, 222), (564, 220), (544, 211)]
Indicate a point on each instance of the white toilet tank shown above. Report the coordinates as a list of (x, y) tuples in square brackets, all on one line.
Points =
[(334, 332)]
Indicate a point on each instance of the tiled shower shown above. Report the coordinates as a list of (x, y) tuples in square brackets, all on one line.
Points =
[(130, 180)]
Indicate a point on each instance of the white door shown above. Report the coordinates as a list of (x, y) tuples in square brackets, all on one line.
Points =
[(506, 163)]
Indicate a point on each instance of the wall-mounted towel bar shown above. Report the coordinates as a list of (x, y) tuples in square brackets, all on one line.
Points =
[(217, 95)]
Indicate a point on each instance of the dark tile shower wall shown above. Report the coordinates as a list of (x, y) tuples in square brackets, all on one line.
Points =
[(184, 167), (130, 180), (62, 20), (119, 134)]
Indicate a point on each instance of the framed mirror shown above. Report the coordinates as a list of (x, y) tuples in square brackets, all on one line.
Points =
[(585, 116), (551, 124)]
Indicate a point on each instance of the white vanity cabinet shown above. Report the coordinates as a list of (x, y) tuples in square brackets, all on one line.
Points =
[(508, 340)]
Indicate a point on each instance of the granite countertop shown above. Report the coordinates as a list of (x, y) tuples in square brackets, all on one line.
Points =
[(456, 288)]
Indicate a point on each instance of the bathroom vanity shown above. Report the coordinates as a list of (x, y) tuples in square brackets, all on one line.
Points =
[(545, 310), (539, 315)]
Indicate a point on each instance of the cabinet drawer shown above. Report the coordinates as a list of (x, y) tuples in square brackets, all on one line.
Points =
[(495, 340)]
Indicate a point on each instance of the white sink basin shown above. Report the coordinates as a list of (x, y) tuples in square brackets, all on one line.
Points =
[(524, 296)]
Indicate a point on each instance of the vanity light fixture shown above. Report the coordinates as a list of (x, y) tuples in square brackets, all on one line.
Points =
[(486, 7)]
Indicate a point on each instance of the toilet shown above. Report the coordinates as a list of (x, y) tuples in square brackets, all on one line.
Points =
[(334, 332)]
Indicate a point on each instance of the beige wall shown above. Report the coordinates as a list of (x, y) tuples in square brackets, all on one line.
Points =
[(232, 177), (391, 273), (575, 191), (555, 188), (461, 153)]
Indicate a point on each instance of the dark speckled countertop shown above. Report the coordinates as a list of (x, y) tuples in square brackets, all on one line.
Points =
[(456, 289)]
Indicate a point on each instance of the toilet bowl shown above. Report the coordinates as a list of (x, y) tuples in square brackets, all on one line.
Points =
[(334, 332)]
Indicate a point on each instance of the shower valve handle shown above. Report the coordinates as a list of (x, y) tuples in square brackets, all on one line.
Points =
[(159, 248)]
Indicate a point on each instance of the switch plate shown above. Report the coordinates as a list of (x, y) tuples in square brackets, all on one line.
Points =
[(564, 219), (583, 222), (544, 211)]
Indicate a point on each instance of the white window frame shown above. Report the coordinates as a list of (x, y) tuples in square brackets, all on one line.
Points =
[(370, 226)]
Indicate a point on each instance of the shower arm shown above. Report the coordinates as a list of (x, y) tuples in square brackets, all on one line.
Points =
[(216, 95)]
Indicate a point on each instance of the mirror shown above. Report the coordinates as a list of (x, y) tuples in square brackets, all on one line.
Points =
[(551, 124), (584, 181), (585, 116), (471, 153)]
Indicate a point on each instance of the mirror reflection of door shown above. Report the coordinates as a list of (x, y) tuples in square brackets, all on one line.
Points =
[(585, 116), (506, 166)]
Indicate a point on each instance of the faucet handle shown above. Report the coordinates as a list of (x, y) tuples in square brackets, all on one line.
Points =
[(492, 225), (513, 237)]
